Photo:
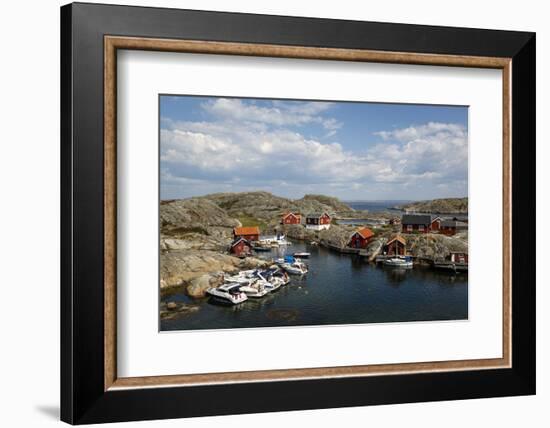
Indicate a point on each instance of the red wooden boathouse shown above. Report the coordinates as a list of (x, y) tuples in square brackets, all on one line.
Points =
[(292, 218), (361, 238), (251, 233), (397, 246), (240, 247)]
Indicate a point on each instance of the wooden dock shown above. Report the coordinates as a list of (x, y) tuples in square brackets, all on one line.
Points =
[(451, 266)]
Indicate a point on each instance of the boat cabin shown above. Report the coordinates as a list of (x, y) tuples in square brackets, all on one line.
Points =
[(240, 247), (422, 223), (450, 227), (292, 218), (361, 238), (318, 221), (396, 246), (249, 233)]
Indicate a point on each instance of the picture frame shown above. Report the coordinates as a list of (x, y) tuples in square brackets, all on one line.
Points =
[(91, 391)]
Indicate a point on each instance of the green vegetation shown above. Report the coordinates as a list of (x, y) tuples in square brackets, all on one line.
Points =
[(248, 221)]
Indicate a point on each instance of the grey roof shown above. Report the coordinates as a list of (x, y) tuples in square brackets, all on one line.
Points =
[(424, 219), (453, 223), (316, 215)]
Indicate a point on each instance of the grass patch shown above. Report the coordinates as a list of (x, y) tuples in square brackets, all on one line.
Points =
[(248, 221)]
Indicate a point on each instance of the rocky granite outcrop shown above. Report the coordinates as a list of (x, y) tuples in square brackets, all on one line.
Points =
[(336, 237), (438, 206), (266, 206), (183, 267), (180, 218), (435, 246)]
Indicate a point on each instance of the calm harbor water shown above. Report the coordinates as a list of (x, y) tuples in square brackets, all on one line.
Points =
[(339, 289)]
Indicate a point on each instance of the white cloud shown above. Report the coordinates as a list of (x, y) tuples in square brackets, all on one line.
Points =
[(251, 147), (280, 113)]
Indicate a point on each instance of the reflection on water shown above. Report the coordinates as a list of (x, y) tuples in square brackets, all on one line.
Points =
[(339, 289)]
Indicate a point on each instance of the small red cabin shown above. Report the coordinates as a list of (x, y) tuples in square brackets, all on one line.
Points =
[(318, 221), (249, 233), (361, 238), (241, 247), (458, 257), (397, 246), (422, 223), (292, 218), (450, 227)]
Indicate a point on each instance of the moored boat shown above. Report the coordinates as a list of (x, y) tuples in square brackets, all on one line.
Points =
[(228, 293), (274, 241), (402, 262), (302, 255), (293, 266), (255, 289)]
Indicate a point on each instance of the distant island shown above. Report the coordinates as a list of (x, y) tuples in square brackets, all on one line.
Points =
[(437, 206)]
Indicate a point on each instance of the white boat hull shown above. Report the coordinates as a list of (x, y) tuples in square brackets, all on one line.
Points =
[(398, 263), (294, 270)]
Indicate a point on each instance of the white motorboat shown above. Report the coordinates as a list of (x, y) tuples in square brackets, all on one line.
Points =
[(256, 289), (292, 266), (295, 268), (243, 277), (274, 241), (283, 276), (228, 293), (302, 255), (402, 262), (275, 274)]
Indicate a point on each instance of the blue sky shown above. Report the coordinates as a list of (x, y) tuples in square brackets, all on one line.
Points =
[(354, 151)]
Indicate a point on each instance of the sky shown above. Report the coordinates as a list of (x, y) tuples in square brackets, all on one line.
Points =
[(354, 151)]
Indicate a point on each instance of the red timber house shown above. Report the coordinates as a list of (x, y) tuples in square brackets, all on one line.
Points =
[(450, 227), (396, 246), (292, 218), (318, 221), (240, 247), (422, 223), (458, 257), (361, 238), (249, 233)]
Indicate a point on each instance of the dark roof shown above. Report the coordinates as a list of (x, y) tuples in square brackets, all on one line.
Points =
[(316, 215), (239, 239), (453, 223), (414, 219)]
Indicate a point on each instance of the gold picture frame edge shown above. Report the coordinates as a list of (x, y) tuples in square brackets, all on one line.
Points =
[(113, 43)]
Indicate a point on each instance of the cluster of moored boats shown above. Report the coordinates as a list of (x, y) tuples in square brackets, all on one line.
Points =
[(256, 283)]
